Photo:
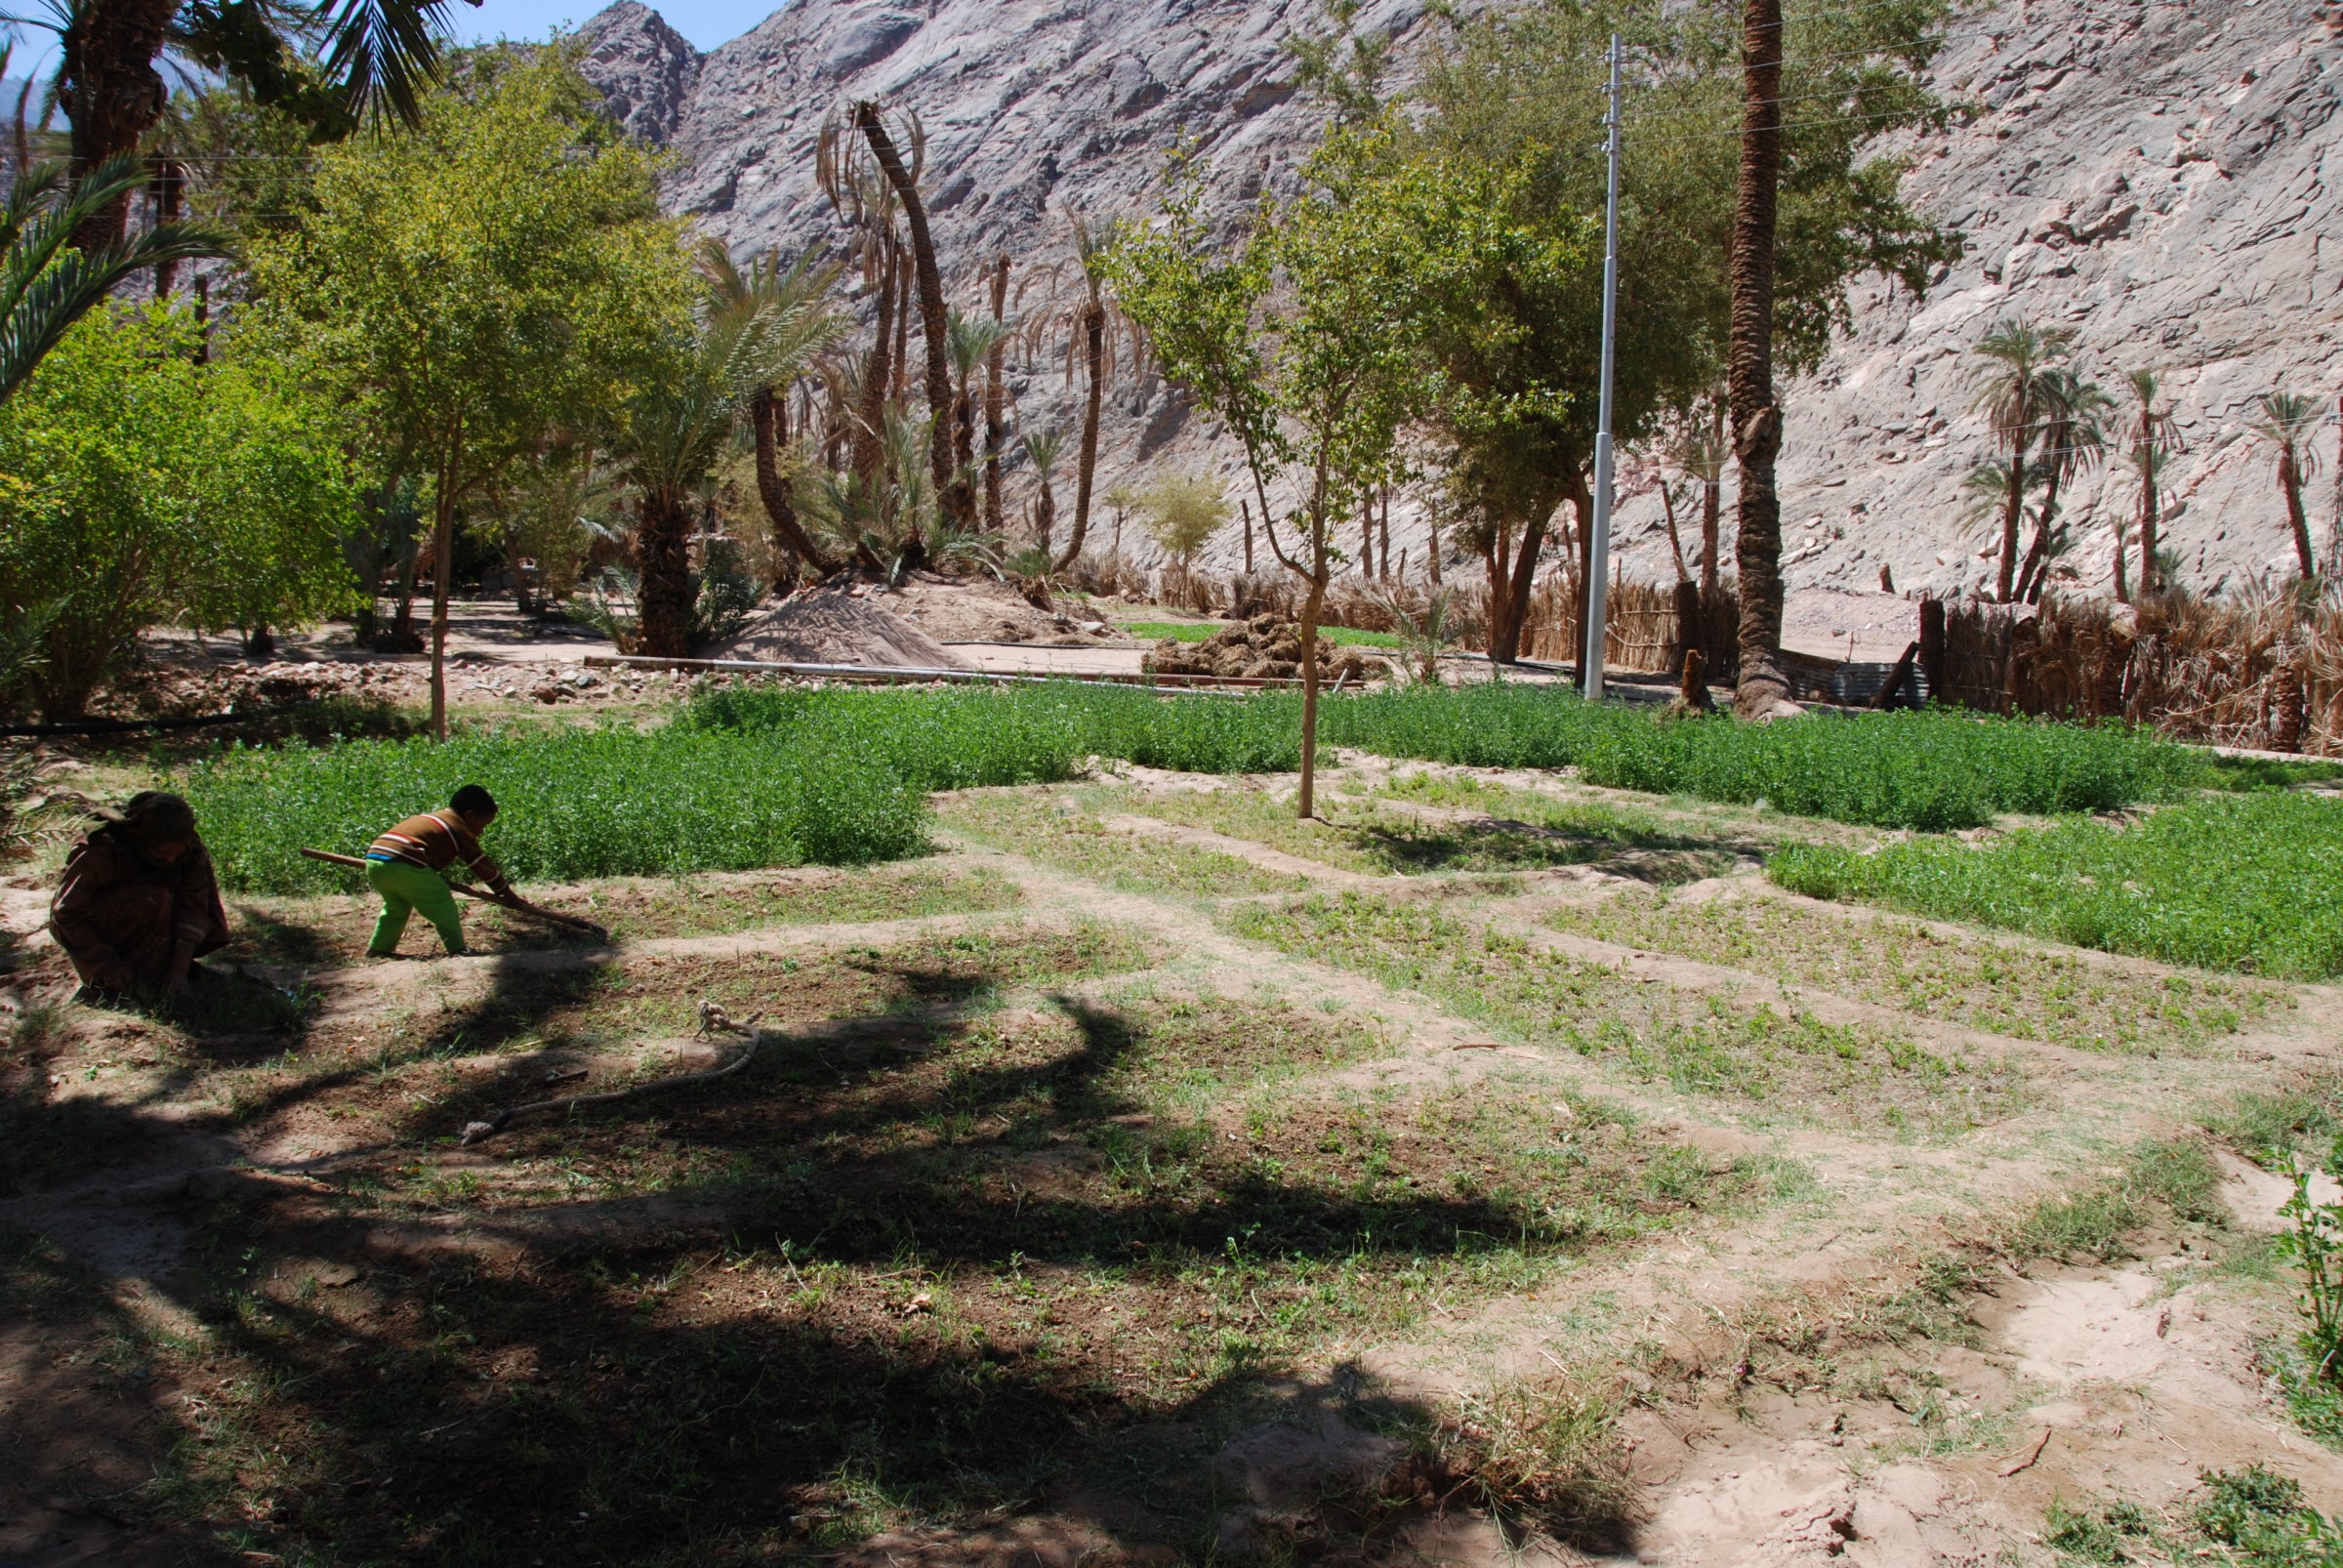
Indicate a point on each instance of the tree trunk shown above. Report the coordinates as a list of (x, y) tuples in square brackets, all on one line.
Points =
[(1246, 507), (900, 393), (964, 429), (1384, 545), (2036, 568), (164, 189), (1431, 552), (2122, 589), (1045, 515), (952, 490), (1094, 332), (867, 449), (2289, 479), (1312, 603), (258, 642), (1675, 544), (443, 559), (112, 93), (520, 575), (1755, 416), (995, 427), (663, 571), (770, 416), (2013, 513)]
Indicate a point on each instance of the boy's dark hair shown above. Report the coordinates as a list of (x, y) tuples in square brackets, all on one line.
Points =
[(473, 801)]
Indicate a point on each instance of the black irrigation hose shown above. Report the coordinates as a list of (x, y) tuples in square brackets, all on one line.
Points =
[(111, 727)]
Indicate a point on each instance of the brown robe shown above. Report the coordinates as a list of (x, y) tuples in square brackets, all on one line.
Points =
[(118, 913)]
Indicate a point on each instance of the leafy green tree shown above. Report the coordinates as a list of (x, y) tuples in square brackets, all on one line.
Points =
[(1181, 511), (138, 485), (1518, 92), (497, 275), (1289, 339)]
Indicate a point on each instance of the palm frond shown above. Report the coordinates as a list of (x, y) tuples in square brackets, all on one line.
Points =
[(383, 53), (45, 285)]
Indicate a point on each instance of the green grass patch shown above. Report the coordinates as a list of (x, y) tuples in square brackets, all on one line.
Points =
[(1931, 770), (1791, 1064), (1985, 985), (2271, 1129), (2249, 883), (2176, 1177), (576, 804)]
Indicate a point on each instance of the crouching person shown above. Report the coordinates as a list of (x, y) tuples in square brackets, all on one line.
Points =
[(405, 866), (138, 903)]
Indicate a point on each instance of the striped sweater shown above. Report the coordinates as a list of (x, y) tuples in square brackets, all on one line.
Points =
[(436, 841)]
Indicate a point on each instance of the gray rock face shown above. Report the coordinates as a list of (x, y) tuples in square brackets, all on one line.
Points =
[(2149, 173), (646, 70)]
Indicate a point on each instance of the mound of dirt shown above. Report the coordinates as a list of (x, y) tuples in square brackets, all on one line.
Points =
[(1265, 648), (983, 609), (835, 626)]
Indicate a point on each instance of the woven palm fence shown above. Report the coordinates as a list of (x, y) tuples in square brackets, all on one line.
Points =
[(2263, 674)]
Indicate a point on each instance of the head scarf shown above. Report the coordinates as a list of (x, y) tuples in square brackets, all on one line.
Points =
[(152, 818)]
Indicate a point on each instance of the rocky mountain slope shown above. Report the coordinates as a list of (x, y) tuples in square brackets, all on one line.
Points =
[(2149, 173)]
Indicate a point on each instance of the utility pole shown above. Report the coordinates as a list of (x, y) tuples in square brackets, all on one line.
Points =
[(1598, 560)]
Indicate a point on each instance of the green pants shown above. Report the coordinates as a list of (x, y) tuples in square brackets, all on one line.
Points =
[(406, 889)]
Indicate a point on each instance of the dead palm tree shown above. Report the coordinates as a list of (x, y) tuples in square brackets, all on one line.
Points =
[(995, 389), (1749, 380), (788, 316), (2153, 438), (865, 119), (2012, 390), (2289, 421)]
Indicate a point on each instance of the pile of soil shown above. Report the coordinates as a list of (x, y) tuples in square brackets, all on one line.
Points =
[(835, 626), (984, 609), (1265, 648)]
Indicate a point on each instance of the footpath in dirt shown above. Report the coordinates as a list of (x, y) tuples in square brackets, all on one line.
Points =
[(1495, 1166)]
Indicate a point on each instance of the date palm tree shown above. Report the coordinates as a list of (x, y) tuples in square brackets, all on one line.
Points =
[(1090, 243), (2074, 439), (970, 344), (374, 56), (789, 313), (2289, 421), (2015, 389), (2153, 436), (1042, 449), (45, 284)]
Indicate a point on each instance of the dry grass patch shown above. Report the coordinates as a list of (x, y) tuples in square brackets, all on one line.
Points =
[(1977, 983), (973, 1261), (321, 932), (1056, 830), (1784, 1063)]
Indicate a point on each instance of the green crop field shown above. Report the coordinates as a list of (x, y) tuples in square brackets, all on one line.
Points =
[(2251, 883), (762, 776)]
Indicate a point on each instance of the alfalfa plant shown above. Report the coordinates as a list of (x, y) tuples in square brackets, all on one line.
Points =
[(2315, 1246)]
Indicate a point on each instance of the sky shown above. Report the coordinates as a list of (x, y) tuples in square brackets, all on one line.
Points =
[(705, 23)]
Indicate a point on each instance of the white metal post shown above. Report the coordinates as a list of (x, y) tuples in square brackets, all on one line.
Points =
[(1598, 557)]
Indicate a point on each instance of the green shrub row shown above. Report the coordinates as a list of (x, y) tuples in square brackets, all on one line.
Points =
[(2248, 882)]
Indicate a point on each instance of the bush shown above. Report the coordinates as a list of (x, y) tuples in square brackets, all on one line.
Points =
[(575, 804), (2246, 883)]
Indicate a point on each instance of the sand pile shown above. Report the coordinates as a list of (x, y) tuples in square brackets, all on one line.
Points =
[(1265, 648), (984, 609), (835, 626)]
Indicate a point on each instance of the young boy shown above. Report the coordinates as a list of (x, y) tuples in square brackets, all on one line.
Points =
[(404, 866)]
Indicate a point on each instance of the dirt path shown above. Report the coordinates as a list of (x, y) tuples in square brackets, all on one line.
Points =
[(1778, 1406)]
